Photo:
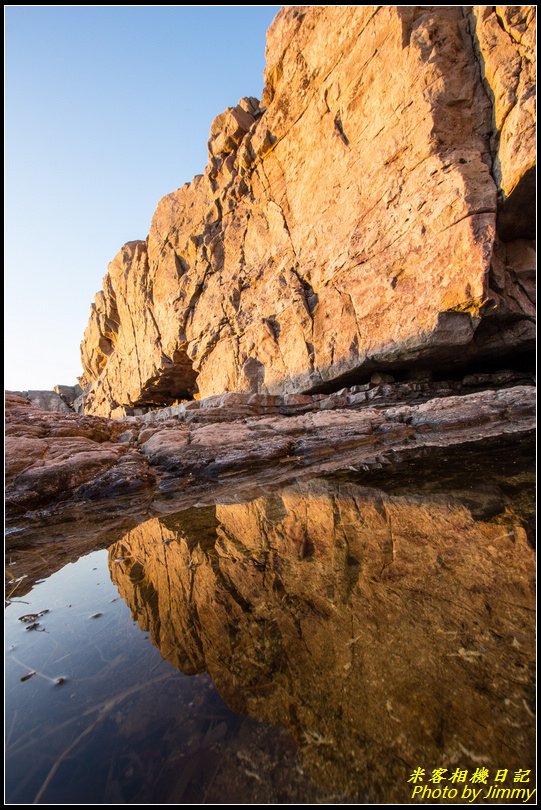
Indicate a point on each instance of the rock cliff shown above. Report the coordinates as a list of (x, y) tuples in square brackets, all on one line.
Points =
[(375, 210)]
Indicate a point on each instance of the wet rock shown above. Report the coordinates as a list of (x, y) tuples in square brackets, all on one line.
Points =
[(64, 458)]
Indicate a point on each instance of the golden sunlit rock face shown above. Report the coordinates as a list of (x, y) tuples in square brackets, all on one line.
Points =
[(504, 38), (375, 209), (384, 631)]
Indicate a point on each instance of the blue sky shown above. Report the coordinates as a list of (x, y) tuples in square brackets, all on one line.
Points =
[(107, 109)]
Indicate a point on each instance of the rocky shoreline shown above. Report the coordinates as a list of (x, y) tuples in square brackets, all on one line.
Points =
[(355, 615), (350, 282), (58, 459), (349, 286), (77, 483), (305, 428)]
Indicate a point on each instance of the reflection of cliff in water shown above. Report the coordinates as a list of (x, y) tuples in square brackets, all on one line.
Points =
[(384, 631)]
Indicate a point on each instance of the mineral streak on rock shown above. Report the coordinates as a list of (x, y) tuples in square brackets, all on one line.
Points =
[(375, 210), (381, 630)]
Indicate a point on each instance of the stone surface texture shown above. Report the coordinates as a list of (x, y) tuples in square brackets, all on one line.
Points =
[(65, 459), (69, 393), (47, 400), (505, 40), (373, 211)]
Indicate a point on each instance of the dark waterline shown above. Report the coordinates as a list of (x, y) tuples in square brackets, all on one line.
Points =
[(315, 644)]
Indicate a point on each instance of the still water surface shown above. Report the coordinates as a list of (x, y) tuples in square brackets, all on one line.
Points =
[(314, 644)]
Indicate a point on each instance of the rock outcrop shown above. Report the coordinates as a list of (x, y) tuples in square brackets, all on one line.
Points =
[(504, 38), (69, 393), (51, 454), (46, 400), (64, 459), (373, 212), (384, 631)]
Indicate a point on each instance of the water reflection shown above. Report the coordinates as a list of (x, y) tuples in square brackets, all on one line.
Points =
[(94, 715), (383, 631)]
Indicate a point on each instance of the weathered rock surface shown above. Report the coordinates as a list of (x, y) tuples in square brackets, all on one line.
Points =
[(46, 400), (346, 226), (505, 39), (69, 393), (64, 459), (384, 631), (50, 455)]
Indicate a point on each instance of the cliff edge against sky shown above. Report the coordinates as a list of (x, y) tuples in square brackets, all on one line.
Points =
[(374, 211)]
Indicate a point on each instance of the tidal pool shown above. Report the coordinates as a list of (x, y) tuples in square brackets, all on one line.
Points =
[(317, 643)]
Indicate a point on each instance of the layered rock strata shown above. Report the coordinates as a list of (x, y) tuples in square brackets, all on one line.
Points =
[(63, 459), (374, 211)]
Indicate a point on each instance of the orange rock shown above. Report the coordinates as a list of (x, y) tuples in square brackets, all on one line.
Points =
[(349, 224), (504, 38)]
